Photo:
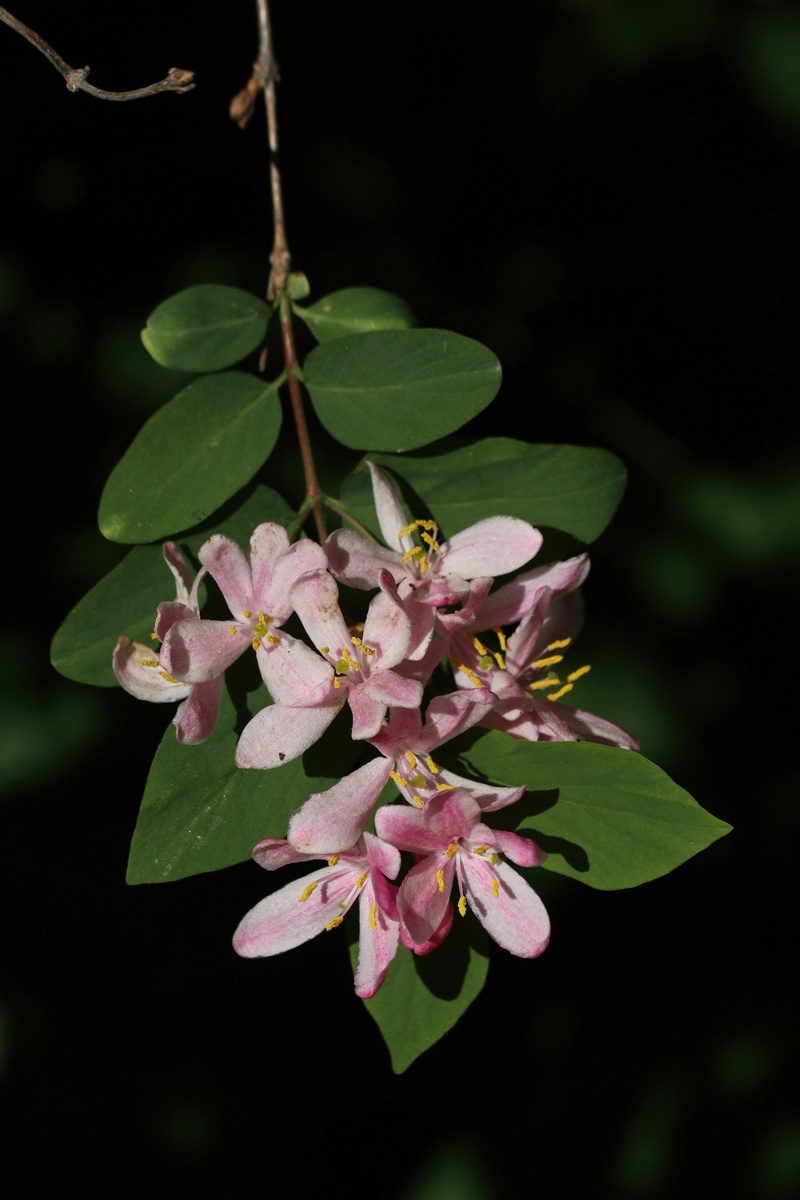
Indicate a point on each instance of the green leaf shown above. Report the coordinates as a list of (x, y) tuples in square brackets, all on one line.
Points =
[(355, 310), (399, 389), (125, 601), (575, 489), (200, 812), (424, 996), (190, 457), (605, 816), (206, 328)]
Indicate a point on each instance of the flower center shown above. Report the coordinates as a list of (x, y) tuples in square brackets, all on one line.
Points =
[(418, 559)]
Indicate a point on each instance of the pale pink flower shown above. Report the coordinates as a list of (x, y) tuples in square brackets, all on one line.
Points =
[(454, 845), (310, 687), (139, 670), (301, 910)]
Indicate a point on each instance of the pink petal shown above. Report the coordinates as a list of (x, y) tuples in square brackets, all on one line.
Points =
[(433, 942), (316, 601), (195, 719), (180, 570), (447, 716), (493, 546), (358, 562), (268, 543), (198, 650), (516, 917), (333, 820), (521, 850), (227, 564), (283, 921), (378, 938), (510, 602), (168, 613), (420, 902), (294, 674), (139, 672), (277, 734), (387, 629), (302, 557), (488, 799), (390, 513), (589, 728)]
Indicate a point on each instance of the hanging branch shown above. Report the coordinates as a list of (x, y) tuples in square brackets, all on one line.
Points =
[(177, 79), (265, 74)]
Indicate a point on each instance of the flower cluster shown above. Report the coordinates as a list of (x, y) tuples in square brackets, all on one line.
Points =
[(433, 604)]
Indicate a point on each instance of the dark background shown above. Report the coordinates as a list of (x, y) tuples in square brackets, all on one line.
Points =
[(607, 195)]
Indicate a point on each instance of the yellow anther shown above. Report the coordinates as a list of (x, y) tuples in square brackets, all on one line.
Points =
[(372, 918), (311, 887), (420, 803), (573, 675), (480, 849), (479, 646), (169, 678), (364, 649), (337, 682), (557, 695), (398, 779), (539, 664), (264, 618), (430, 541), (501, 637), (451, 850), (407, 530), (247, 614), (332, 924), (559, 645), (256, 643), (149, 662), (273, 641), (495, 889), (232, 630), (432, 767), (348, 658), (332, 861), (445, 787), (459, 666), (423, 565), (324, 649), (362, 879), (462, 905), (440, 879), (550, 680), (427, 525), (498, 658), (412, 759), (154, 637), (414, 552)]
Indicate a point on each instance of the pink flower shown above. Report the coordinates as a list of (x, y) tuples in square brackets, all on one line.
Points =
[(310, 688), (455, 845), (335, 818), (455, 573), (140, 672), (257, 588), (301, 910)]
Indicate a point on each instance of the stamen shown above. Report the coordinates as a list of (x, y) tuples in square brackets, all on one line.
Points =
[(501, 637), (154, 636), (149, 662), (539, 664), (372, 920), (362, 879), (324, 649), (432, 767), (311, 887), (414, 552), (479, 646), (559, 645), (333, 860), (451, 850), (364, 649), (498, 658), (256, 643), (480, 849), (169, 678), (573, 675), (440, 879), (273, 641), (426, 537), (462, 905), (550, 680), (557, 695), (398, 779), (332, 924), (412, 759), (247, 614), (264, 618), (420, 803), (459, 666), (495, 889), (336, 681), (232, 630), (445, 787)]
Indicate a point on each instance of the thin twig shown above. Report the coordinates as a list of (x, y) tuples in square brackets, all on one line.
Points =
[(177, 79)]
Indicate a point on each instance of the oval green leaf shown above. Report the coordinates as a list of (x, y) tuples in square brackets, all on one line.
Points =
[(575, 489), (399, 389), (125, 601), (423, 997), (206, 328), (355, 310), (190, 457), (605, 816), (200, 812)]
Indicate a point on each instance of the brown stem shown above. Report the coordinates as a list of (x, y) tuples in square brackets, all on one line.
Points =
[(177, 79), (313, 490)]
